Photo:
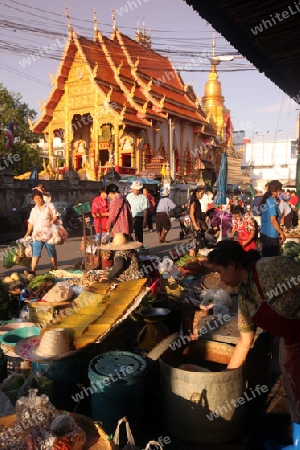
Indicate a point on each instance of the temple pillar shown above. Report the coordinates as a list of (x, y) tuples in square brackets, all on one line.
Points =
[(92, 155), (133, 156), (96, 139), (68, 132), (181, 151), (50, 145), (115, 148)]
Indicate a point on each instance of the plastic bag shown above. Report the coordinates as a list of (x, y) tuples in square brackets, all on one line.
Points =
[(130, 439), (105, 239), (216, 296), (27, 244), (60, 292), (165, 265), (59, 234)]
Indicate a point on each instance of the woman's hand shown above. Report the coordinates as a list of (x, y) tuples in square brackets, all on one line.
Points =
[(241, 350), (207, 308)]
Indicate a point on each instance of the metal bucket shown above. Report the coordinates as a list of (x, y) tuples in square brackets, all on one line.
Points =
[(202, 407)]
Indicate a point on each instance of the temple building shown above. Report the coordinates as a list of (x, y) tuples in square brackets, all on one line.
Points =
[(117, 103)]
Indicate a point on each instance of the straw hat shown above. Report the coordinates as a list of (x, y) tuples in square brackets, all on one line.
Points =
[(53, 344), (136, 185), (120, 242)]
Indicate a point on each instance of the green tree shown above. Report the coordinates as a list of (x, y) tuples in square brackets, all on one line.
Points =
[(13, 108)]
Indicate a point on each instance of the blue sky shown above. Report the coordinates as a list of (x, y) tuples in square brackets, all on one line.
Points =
[(36, 27)]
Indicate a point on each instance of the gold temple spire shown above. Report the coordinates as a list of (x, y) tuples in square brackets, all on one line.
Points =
[(95, 25)]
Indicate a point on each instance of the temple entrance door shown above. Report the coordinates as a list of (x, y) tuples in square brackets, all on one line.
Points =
[(126, 160), (104, 157), (78, 162)]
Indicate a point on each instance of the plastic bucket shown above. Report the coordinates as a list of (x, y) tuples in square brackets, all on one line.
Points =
[(202, 407), (65, 376), (117, 384)]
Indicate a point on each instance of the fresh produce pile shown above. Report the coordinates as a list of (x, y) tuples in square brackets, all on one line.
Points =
[(292, 250), (184, 260), (16, 256), (40, 285)]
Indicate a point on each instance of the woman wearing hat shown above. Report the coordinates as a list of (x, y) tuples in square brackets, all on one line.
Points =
[(139, 208), (126, 264), (163, 223), (270, 231)]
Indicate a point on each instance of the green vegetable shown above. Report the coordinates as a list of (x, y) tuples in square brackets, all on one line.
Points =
[(40, 279), (291, 249)]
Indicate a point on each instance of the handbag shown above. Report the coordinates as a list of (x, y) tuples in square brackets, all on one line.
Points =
[(59, 234)]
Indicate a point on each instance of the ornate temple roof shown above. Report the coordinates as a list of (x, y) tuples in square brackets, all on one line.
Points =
[(142, 84)]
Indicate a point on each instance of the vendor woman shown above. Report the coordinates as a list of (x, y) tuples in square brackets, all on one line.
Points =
[(126, 263), (269, 297)]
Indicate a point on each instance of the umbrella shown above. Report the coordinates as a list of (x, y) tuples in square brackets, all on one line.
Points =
[(298, 180), (222, 182), (33, 180), (144, 180)]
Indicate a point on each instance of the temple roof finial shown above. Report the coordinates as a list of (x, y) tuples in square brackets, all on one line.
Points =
[(213, 45), (69, 20), (95, 25), (137, 33)]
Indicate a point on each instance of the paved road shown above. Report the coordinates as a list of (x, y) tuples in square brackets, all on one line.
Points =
[(70, 253)]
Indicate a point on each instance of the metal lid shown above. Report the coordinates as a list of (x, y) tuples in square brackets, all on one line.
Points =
[(120, 364)]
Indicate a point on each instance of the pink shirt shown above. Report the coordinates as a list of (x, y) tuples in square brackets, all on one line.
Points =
[(119, 209)]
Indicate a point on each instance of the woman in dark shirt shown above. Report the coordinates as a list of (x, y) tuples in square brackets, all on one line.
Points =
[(198, 224)]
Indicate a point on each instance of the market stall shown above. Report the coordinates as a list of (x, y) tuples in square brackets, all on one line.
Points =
[(96, 317)]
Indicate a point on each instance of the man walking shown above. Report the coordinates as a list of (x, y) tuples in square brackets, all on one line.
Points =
[(139, 206)]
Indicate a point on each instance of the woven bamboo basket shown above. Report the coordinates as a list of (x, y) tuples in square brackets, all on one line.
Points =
[(96, 437)]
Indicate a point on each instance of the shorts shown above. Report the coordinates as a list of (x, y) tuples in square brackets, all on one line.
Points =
[(37, 247), (270, 246)]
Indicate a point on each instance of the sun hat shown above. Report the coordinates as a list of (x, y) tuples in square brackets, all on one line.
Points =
[(136, 185), (54, 344), (120, 242)]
